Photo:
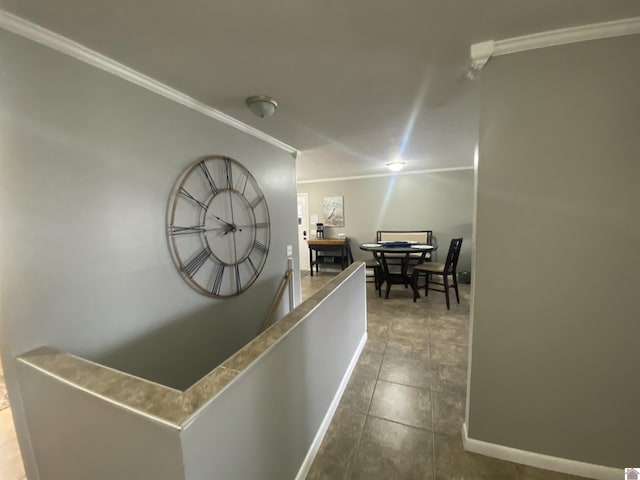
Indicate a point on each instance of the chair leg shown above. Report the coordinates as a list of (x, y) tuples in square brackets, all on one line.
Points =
[(415, 277), (386, 295), (375, 277), (455, 286), (446, 289), (377, 274)]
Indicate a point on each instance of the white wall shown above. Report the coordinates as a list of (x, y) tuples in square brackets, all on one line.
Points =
[(87, 165), (438, 201)]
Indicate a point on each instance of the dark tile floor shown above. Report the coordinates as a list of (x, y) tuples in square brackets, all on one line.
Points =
[(402, 412)]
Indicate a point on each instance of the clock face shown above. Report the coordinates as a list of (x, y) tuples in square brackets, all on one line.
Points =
[(218, 227)]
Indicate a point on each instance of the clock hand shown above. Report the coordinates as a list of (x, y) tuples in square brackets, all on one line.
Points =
[(231, 227), (233, 220), (178, 230), (223, 221), (253, 225), (230, 230)]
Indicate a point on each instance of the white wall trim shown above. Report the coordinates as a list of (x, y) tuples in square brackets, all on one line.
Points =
[(390, 174), (474, 223), (324, 426), (540, 460), (481, 52), (36, 33)]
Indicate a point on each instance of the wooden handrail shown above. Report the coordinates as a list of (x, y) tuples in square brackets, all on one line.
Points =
[(274, 308)]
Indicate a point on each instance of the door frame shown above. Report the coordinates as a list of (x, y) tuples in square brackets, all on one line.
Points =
[(303, 260)]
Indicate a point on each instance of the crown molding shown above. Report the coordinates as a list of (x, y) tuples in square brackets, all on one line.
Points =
[(387, 174), (483, 51), (38, 34)]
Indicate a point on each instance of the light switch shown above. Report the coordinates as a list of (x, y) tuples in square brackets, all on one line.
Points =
[(289, 250)]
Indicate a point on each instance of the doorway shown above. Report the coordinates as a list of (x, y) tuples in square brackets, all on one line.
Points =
[(303, 231)]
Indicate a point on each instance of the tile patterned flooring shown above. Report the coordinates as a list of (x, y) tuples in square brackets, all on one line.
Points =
[(10, 459), (401, 415)]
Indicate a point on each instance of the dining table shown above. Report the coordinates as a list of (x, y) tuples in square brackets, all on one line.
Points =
[(407, 252)]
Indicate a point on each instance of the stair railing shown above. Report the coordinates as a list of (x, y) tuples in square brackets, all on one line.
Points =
[(286, 284)]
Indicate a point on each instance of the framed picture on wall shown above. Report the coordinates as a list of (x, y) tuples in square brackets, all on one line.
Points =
[(333, 211)]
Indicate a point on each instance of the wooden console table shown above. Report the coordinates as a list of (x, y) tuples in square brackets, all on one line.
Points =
[(339, 246)]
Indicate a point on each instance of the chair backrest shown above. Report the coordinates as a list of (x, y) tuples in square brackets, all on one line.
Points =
[(419, 236), (451, 263)]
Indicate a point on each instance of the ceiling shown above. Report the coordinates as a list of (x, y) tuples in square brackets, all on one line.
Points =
[(359, 82)]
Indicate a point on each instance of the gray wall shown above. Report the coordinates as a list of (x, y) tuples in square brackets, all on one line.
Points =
[(87, 165), (77, 435), (263, 424), (555, 322), (442, 202), (266, 423)]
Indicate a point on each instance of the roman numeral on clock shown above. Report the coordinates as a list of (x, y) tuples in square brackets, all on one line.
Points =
[(238, 282), (207, 175), (246, 180), (252, 265), (261, 247), (190, 197), (218, 273), (229, 173), (196, 261), (256, 201)]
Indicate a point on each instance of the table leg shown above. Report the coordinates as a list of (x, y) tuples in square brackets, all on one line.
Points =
[(311, 260), (385, 274), (404, 268)]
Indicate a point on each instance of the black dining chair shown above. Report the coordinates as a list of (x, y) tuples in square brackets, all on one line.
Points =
[(446, 269), (374, 265)]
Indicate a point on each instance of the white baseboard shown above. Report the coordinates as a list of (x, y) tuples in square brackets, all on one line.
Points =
[(539, 460), (324, 426)]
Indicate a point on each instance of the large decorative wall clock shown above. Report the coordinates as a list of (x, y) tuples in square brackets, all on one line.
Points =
[(218, 227)]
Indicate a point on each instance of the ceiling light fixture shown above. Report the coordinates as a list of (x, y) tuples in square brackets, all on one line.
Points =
[(262, 105), (395, 166)]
